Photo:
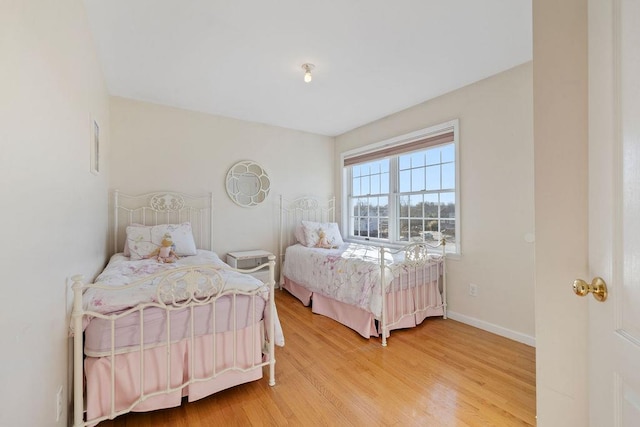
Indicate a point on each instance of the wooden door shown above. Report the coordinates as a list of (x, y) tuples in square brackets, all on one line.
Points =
[(614, 211)]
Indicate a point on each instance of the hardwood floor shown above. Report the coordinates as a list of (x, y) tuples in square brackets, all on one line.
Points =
[(442, 373)]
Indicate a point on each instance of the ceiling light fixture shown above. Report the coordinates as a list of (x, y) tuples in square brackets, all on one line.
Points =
[(307, 72)]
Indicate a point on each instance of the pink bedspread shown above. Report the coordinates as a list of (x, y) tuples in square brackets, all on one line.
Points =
[(121, 271)]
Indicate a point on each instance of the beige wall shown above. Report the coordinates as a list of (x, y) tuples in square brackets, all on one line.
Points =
[(561, 207), (496, 160), (54, 210), (156, 147)]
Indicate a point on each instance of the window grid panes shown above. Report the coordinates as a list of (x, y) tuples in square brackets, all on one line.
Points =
[(423, 208), (426, 197), (369, 203)]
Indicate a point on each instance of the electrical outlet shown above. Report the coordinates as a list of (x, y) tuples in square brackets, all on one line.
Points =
[(473, 289), (59, 404)]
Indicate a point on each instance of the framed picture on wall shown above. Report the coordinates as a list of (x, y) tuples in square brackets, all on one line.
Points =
[(95, 147)]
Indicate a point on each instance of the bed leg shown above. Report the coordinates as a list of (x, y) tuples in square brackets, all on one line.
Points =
[(78, 362), (444, 279), (272, 317), (383, 296), (272, 371)]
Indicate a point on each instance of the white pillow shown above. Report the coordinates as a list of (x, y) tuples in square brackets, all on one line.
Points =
[(331, 230), (143, 240), (126, 251), (299, 234)]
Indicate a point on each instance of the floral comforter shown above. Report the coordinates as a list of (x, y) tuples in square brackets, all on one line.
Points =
[(121, 271), (350, 273)]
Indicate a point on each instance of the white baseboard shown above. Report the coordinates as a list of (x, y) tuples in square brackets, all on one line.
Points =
[(490, 327)]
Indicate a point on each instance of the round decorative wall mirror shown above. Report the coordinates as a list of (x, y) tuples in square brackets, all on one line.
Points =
[(247, 183)]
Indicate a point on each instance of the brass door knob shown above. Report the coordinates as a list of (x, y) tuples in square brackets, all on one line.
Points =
[(597, 287)]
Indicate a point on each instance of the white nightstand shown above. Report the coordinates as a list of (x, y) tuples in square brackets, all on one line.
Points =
[(251, 259)]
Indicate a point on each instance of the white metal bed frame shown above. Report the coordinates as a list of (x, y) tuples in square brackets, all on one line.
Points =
[(301, 209), (416, 257), (180, 288)]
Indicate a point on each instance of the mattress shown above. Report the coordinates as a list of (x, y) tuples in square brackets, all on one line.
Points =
[(212, 317)]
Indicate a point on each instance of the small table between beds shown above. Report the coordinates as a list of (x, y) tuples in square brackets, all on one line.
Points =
[(251, 259)]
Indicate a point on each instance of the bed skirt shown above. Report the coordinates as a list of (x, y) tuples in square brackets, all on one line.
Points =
[(158, 367), (363, 321)]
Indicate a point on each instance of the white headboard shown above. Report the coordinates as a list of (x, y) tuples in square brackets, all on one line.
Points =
[(163, 207), (307, 208)]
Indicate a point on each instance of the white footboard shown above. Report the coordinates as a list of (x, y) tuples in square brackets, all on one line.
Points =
[(183, 290), (407, 296)]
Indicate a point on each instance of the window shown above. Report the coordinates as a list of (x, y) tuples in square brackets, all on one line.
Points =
[(404, 190), (370, 199)]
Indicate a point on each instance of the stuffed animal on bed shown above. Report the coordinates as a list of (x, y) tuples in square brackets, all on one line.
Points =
[(323, 242), (165, 253)]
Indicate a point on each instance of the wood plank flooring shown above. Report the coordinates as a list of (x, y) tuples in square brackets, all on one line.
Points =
[(442, 373)]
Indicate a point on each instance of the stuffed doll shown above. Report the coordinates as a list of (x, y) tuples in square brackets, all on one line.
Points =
[(323, 242), (165, 253)]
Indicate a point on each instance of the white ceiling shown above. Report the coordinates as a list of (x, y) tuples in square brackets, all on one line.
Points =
[(242, 58)]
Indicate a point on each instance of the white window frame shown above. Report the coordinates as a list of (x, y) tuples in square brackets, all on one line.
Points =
[(394, 191)]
